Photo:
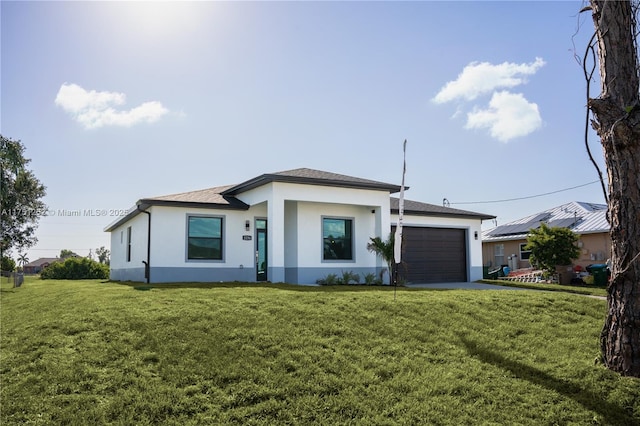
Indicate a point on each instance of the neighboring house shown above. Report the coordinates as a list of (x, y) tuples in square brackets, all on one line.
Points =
[(295, 226), (37, 266), (504, 244)]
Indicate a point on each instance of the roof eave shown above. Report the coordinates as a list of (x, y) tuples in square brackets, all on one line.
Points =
[(145, 203), (440, 214), (269, 178)]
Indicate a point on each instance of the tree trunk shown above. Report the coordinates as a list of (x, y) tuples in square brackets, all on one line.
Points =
[(617, 122)]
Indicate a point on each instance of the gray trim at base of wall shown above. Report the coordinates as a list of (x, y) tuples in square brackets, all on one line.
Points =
[(201, 275), (182, 274), (475, 273), (127, 274)]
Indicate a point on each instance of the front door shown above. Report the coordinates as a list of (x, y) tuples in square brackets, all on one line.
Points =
[(261, 250)]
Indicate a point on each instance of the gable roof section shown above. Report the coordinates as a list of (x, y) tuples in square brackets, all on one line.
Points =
[(312, 177), (424, 209), (200, 198), (580, 217)]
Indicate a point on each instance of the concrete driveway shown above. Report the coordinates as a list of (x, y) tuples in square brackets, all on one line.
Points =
[(464, 286)]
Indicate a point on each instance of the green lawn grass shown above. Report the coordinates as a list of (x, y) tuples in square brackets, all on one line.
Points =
[(89, 352), (576, 289)]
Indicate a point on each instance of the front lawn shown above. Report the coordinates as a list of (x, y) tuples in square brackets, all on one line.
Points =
[(591, 290), (88, 352)]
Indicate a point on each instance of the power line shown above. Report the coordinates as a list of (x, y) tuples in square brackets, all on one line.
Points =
[(528, 197)]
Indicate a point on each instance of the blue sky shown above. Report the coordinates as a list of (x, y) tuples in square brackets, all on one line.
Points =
[(119, 101)]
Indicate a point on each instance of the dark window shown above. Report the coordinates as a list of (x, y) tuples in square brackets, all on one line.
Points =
[(129, 244), (204, 241), (524, 254), (337, 238)]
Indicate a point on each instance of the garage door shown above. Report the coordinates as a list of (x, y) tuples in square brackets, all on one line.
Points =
[(433, 255)]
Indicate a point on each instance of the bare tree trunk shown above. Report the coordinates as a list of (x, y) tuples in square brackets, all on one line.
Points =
[(617, 121)]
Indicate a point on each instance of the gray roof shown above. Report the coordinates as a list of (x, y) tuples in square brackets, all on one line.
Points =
[(224, 196), (424, 209), (43, 260), (580, 217), (312, 177), (200, 198)]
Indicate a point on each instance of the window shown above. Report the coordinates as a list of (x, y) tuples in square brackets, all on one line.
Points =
[(498, 254), (524, 254), (204, 238), (337, 236), (129, 244)]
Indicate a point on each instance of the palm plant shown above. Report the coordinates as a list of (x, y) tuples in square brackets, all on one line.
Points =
[(23, 260), (384, 249)]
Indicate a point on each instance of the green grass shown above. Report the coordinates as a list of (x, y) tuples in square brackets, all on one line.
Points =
[(575, 289), (88, 352)]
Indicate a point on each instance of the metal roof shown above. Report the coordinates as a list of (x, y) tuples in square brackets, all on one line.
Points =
[(580, 217)]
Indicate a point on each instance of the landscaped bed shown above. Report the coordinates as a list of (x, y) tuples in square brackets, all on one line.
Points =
[(91, 352)]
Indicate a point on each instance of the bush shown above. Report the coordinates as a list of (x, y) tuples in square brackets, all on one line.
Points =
[(75, 268), (372, 279), (551, 247), (331, 279), (349, 277)]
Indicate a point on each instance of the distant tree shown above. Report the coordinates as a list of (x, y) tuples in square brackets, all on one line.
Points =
[(64, 254), (8, 264), (103, 255), (384, 249), (551, 247), (616, 118), (21, 196)]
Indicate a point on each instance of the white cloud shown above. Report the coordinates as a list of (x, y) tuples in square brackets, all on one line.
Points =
[(479, 78), (509, 116), (96, 109)]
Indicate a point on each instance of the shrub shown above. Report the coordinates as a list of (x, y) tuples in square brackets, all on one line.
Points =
[(75, 268), (552, 246), (348, 276), (331, 279), (371, 279)]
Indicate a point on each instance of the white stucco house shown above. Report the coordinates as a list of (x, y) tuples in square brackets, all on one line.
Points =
[(295, 226)]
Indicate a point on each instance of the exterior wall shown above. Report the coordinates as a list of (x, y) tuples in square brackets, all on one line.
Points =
[(594, 248), (169, 261), (133, 270), (310, 265), (473, 228), (510, 248), (295, 228)]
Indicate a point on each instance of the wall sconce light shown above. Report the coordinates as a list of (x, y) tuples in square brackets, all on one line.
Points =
[(247, 225), (475, 234)]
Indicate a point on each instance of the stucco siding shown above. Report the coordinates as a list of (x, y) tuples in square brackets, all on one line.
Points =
[(133, 269), (295, 246)]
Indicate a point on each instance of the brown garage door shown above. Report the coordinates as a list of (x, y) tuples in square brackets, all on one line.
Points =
[(433, 255)]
